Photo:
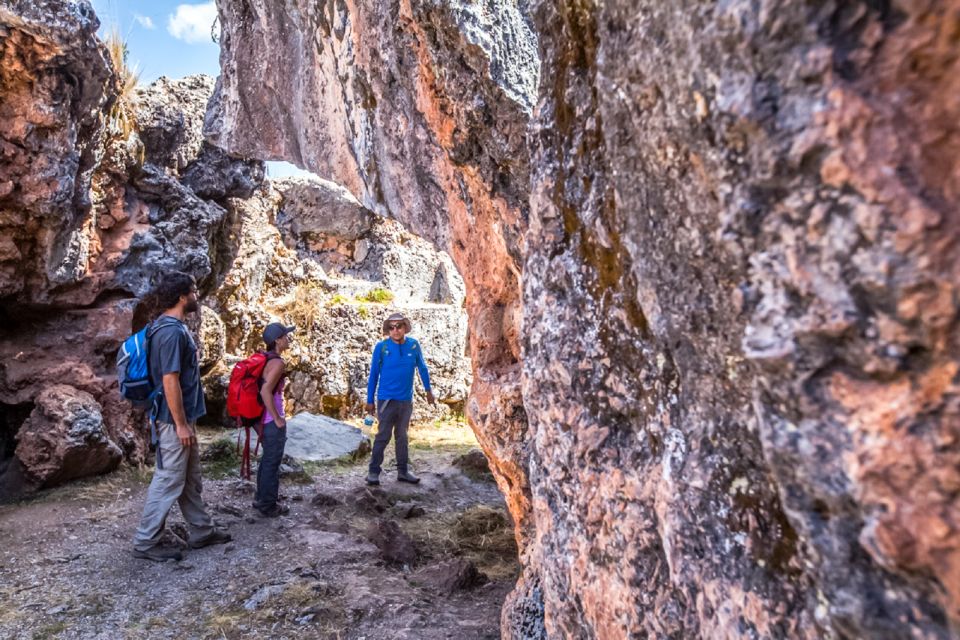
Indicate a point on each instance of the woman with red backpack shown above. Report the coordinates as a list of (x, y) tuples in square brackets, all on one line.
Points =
[(274, 434)]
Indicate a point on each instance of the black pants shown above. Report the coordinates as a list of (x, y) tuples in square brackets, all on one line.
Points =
[(394, 417), (273, 440)]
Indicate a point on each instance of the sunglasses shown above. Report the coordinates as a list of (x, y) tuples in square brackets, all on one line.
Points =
[(393, 327)]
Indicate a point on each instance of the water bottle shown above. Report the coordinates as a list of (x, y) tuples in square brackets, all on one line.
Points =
[(368, 421)]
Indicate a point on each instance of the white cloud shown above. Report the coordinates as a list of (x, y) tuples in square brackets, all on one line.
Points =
[(192, 22), (144, 21)]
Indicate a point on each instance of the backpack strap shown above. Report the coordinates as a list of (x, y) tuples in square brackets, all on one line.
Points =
[(156, 396), (243, 431)]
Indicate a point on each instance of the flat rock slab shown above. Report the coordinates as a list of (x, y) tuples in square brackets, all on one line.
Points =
[(315, 437)]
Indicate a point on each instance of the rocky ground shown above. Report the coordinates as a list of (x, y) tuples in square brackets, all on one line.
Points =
[(427, 561)]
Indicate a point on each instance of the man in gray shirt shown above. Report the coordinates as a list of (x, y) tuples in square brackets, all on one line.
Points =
[(174, 365)]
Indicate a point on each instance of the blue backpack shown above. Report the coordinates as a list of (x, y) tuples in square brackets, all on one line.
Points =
[(133, 369)]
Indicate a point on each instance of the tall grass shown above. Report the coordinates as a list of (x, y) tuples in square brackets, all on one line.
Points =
[(123, 113)]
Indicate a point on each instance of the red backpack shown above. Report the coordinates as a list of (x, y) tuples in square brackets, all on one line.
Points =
[(243, 392), (244, 402)]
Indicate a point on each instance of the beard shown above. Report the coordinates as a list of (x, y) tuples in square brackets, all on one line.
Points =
[(192, 306)]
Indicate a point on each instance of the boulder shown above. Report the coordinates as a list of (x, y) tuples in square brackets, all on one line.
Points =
[(215, 175), (57, 82), (317, 437), (64, 438), (169, 119), (314, 207)]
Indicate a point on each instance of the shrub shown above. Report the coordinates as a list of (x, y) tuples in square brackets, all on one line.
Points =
[(378, 295)]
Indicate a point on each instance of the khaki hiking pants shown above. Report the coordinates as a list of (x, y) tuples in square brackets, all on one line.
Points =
[(179, 481)]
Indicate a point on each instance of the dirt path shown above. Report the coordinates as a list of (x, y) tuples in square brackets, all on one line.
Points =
[(66, 569)]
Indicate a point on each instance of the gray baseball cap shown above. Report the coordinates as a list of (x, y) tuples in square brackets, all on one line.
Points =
[(275, 331)]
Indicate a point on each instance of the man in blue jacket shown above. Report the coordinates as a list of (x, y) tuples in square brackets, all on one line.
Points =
[(394, 360)]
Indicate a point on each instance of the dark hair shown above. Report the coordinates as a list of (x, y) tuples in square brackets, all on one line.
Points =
[(272, 346), (170, 287)]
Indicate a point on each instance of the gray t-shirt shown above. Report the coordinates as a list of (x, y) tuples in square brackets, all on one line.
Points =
[(172, 350)]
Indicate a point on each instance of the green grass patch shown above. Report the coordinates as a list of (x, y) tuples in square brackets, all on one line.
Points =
[(378, 295), (49, 631), (449, 435), (220, 458)]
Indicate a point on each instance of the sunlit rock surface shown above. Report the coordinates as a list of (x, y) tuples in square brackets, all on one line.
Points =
[(736, 228)]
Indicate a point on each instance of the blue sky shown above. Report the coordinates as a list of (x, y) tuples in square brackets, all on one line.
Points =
[(169, 38)]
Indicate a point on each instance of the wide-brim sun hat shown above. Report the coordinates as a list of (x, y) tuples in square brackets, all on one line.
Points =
[(396, 317)]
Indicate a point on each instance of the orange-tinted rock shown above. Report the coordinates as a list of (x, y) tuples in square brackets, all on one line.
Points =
[(85, 226), (712, 288), (65, 438)]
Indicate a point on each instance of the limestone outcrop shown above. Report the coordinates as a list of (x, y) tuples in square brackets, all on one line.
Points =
[(738, 408)]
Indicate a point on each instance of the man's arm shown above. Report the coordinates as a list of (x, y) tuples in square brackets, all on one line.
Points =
[(174, 397), (425, 376), (271, 376), (374, 377)]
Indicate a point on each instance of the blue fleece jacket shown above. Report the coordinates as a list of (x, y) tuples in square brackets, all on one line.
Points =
[(392, 367)]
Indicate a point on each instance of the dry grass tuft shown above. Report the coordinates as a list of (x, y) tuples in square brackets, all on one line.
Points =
[(309, 299), (480, 534), (123, 114)]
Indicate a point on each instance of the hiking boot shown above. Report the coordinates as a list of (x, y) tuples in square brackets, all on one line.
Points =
[(216, 536), (158, 553), (275, 511), (373, 478), (406, 476)]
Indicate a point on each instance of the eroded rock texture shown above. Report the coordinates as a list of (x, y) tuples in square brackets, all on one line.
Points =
[(87, 220), (751, 210), (739, 409)]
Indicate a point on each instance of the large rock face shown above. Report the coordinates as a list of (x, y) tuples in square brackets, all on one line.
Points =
[(739, 411), (90, 213), (51, 128), (753, 213)]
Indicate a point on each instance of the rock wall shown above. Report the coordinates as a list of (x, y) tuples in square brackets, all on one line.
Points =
[(739, 403), (57, 85)]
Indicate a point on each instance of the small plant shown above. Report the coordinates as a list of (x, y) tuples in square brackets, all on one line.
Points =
[(308, 299), (123, 113), (220, 459), (378, 295), (364, 311), (338, 298)]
